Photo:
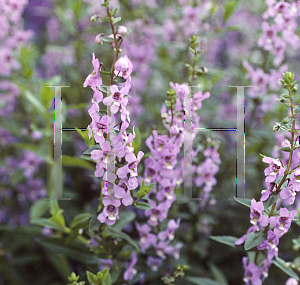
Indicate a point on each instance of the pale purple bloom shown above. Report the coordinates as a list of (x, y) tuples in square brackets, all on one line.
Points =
[(131, 167), (94, 79), (123, 67), (283, 222), (274, 171), (154, 263), (130, 272), (146, 238), (110, 212), (169, 232), (256, 215), (252, 273)]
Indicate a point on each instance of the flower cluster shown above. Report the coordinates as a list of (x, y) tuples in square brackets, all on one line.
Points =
[(164, 169), (268, 223), (113, 149)]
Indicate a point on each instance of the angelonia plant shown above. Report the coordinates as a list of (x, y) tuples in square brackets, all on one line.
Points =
[(270, 220)]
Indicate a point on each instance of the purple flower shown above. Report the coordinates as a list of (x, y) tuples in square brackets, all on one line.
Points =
[(252, 273), (130, 272), (160, 248), (122, 190), (295, 179), (274, 171), (174, 250), (169, 232), (110, 211), (116, 98), (146, 238), (131, 167), (283, 222), (154, 263), (291, 281), (123, 66), (105, 263), (288, 193), (256, 213), (157, 213), (94, 79)]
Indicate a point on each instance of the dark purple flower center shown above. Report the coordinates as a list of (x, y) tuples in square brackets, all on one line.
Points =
[(124, 186), (111, 208), (284, 219), (168, 157), (151, 171), (132, 164), (270, 33), (117, 96), (257, 214), (100, 125)]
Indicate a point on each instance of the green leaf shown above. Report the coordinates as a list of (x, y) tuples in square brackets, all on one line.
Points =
[(271, 200), (280, 263), (85, 136), (105, 4), (50, 224), (124, 219), (136, 142), (106, 277), (116, 20), (29, 146), (35, 102), (76, 162), (92, 278), (202, 281), (121, 235), (286, 123), (231, 28), (254, 239), (38, 209), (76, 106), (104, 73), (79, 219), (119, 79), (88, 151), (94, 223), (76, 250), (108, 39), (54, 207), (114, 11), (228, 240), (143, 206), (229, 10), (297, 109), (286, 149), (64, 19), (243, 201), (47, 96), (218, 275)]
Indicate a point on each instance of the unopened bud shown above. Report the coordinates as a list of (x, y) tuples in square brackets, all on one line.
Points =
[(276, 128), (122, 30), (95, 17), (286, 143), (99, 39), (204, 69), (174, 130)]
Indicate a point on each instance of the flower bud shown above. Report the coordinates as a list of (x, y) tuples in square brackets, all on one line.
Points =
[(122, 30), (286, 143), (94, 18), (99, 39), (276, 128), (174, 130)]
